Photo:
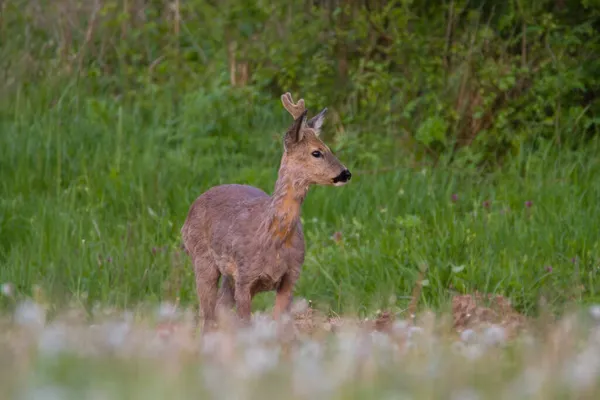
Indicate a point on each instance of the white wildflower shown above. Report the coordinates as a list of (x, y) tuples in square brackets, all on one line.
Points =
[(595, 311), (380, 340), (29, 313), (472, 352), (116, 334), (494, 335), (260, 360), (582, 372), (211, 341), (468, 336), (262, 329), (299, 306), (348, 346), (348, 343), (400, 328), (53, 340), (167, 311), (7, 289), (128, 316), (414, 330), (309, 378), (309, 350)]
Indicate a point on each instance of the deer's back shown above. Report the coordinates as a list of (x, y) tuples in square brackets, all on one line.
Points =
[(223, 215)]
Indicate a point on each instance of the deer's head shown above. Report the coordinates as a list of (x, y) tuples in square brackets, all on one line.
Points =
[(310, 159)]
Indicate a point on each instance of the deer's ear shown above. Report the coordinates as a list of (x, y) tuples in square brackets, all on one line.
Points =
[(294, 134), (316, 122)]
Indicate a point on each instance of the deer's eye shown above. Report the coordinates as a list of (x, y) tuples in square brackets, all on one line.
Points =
[(316, 154)]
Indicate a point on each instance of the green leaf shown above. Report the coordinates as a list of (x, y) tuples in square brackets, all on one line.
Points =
[(431, 130)]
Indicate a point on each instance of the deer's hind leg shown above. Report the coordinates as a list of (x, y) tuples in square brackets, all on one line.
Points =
[(226, 294), (243, 300), (207, 279), (284, 294)]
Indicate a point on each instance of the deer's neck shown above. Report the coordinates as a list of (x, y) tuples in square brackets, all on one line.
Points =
[(285, 205)]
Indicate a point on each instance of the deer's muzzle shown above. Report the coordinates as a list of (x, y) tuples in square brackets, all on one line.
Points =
[(343, 177)]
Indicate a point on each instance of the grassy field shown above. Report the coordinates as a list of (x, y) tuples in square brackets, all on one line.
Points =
[(93, 193)]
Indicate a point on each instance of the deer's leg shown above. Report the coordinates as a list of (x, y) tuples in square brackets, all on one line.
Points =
[(226, 296), (207, 279), (243, 300), (283, 297)]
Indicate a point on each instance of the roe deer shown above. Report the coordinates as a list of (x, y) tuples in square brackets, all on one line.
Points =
[(252, 240)]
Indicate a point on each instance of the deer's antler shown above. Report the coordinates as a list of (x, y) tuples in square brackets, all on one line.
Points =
[(296, 109)]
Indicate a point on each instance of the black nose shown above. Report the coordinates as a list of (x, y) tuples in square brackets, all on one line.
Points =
[(343, 177)]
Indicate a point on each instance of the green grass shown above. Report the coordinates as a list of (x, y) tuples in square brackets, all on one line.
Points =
[(93, 193)]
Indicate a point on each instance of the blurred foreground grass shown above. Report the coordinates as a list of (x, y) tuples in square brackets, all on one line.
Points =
[(157, 354)]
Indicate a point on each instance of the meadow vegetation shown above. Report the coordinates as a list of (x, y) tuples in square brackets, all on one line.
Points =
[(470, 127)]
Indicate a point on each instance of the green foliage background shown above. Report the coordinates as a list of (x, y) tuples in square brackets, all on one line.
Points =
[(115, 115)]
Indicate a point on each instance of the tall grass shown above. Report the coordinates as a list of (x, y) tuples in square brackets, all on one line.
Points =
[(94, 191)]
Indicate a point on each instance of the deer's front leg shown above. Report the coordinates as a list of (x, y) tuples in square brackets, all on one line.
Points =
[(207, 278), (283, 298)]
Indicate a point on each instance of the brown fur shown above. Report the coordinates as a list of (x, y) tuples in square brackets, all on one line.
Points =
[(254, 242)]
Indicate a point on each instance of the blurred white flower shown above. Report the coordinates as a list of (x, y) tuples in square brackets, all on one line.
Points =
[(583, 371), (260, 360), (594, 311), (309, 379), (53, 340), (415, 330), (128, 316), (494, 335), (211, 342), (167, 310), (309, 350), (29, 313), (262, 329), (383, 347), (400, 327), (380, 339), (348, 346), (7, 289), (472, 352), (468, 336), (299, 306), (347, 343), (116, 334)]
